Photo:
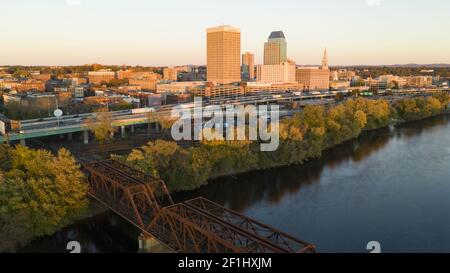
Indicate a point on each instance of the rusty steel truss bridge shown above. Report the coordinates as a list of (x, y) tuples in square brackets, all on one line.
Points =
[(194, 226)]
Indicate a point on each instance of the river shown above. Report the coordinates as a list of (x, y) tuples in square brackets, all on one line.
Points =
[(390, 185)]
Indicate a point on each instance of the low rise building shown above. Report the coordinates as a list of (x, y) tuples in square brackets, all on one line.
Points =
[(145, 83), (170, 74), (343, 75), (31, 100), (104, 75), (29, 85), (339, 85), (254, 88), (42, 77), (313, 78), (129, 74), (419, 81), (212, 91), (177, 87)]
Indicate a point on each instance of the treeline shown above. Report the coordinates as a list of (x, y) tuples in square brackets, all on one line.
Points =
[(302, 137), (39, 194), (420, 108), (24, 71), (403, 71)]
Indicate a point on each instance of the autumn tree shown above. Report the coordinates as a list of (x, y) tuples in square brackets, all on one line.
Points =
[(101, 126), (166, 123), (39, 194), (303, 136), (443, 97)]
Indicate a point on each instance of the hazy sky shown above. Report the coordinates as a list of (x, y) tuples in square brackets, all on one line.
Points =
[(173, 32)]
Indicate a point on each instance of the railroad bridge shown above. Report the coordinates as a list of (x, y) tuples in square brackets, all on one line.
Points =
[(194, 226)]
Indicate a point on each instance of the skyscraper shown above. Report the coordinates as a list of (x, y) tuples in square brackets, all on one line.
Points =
[(248, 66), (223, 55), (275, 49)]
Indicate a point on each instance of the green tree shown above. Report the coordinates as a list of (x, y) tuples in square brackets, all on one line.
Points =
[(101, 126), (443, 97), (39, 194)]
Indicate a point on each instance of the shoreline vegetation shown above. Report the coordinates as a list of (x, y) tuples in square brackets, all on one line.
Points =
[(41, 193), (302, 137)]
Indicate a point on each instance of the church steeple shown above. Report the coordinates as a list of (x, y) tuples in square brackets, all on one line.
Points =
[(325, 60)]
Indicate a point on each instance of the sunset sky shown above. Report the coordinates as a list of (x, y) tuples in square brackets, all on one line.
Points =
[(173, 32)]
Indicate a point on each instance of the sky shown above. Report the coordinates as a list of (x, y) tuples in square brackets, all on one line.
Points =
[(173, 32)]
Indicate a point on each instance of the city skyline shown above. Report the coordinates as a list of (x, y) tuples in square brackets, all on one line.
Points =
[(76, 32)]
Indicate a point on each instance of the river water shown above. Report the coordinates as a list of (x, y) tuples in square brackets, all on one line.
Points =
[(391, 186)]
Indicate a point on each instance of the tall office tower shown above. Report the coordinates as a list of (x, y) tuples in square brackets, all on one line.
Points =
[(248, 66), (325, 60), (223, 55), (275, 50)]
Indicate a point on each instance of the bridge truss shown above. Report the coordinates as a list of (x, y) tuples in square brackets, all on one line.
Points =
[(197, 225)]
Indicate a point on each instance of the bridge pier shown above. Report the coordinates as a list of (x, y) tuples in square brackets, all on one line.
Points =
[(86, 136), (149, 244), (23, 142), (122, 131), (69, 137), (132, 128)]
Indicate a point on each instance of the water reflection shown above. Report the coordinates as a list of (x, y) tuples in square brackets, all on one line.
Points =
[(242, 191), (389, 185), (104, 233)]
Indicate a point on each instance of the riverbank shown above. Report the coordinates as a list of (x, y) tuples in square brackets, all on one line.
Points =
[(302, 137), (388, 185)]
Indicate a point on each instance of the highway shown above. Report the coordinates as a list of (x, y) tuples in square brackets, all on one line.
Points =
[(77, 123)]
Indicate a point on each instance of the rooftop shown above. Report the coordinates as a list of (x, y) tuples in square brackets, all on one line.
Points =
[(277, 35), (227, 28)]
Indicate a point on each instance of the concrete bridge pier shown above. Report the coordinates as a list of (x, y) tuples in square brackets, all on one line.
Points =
[(86, 136), (69, 137), (23, 142), (149, 244), (132, 129), (122, 131)]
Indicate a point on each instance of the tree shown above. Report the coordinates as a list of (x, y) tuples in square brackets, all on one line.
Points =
[(356, 93), (339, 97), (294, 105), (304, 136), (101, 126), (166, 123), (444, 98), (121, 106), (418, 108), (39, 194)]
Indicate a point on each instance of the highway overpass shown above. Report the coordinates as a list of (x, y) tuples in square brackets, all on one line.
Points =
[(51, 126)]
